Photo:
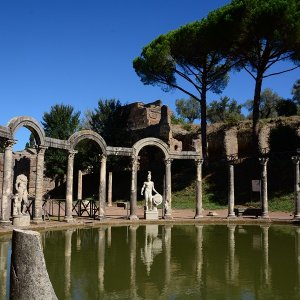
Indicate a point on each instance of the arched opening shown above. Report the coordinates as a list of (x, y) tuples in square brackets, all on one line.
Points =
[(151, 159)]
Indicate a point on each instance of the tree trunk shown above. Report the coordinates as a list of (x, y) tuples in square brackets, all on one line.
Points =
[(203, 123), (256, 104)]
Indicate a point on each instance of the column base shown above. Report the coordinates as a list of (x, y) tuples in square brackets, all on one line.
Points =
[(37, 221), (168, 217), (69, 219), (5, 223), (231, 216), (265, 216), (133, 217), (296, 217), (99, 218), (198, 217)]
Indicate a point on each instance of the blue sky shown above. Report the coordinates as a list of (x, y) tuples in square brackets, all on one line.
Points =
[(76, 52)]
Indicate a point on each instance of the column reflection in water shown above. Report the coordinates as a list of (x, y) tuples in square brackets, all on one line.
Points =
[(3, 268), (109, 236), (231, 268), (78, 240), (199, 252), (68, 252), (265, 246), (297, 252), (101, 260), (152, 246), (167, 250), (132, 230)]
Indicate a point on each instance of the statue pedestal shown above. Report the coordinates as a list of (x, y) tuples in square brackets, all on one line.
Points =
[(21, 220), (151, 214)]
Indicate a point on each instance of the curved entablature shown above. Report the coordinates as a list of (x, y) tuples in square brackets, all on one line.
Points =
[(151, 142), (75, 138), (30, 123)]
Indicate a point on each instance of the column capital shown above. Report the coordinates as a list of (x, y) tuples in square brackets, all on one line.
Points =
[(135, 159), (103, 157), (199, 161), (263, 160), (168, 161), (72, 153), (41, 149), (9, 143), (231, 159), (295, 159)]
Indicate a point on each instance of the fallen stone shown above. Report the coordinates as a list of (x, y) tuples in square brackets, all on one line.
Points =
[(29, 278)]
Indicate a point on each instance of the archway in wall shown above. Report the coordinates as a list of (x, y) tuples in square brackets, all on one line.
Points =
[(87, 170), (151, 159), (27, 157)]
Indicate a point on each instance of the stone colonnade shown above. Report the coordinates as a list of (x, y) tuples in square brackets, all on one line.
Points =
[(69, 145)]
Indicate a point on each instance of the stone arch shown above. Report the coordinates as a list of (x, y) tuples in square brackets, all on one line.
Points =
[(75, 138), (151, 142), (30, 123)]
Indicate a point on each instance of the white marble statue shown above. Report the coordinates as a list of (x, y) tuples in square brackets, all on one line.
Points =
[(21, 197), (147, 189)]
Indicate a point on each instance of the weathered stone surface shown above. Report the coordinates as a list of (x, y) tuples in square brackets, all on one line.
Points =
[(151, 215), (29, 278), (21, 221)]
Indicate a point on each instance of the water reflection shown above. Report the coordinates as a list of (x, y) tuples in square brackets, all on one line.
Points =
[(170, 262), (4, 249)]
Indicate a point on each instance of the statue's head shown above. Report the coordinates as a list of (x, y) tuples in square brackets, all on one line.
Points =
[(149, 175)]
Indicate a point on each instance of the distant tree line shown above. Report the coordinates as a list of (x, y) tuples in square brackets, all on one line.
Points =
[(229, 111)]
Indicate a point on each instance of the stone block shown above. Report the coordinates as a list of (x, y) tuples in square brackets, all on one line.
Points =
[(151, 215), (21, 221), (29, 277)]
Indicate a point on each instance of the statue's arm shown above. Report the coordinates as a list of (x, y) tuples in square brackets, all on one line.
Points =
[(142, 190), (154, 189)]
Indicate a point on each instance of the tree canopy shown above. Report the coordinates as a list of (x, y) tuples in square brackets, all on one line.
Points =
[(225, 110), (188, 109), (61, 122), (187, 59), (263, 33), (296, 92), (110, 120)]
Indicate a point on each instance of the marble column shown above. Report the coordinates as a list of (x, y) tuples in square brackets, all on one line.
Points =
[(68, 253), (133, 288), (296, 160), (69, 193), (102, 188), (199, 214), (265, 245), (79, 186), (109, 194), (264, 188), (133, 194), (101, 261), (231, 253), (168, 192), (38, 202), (7, 182), (231, 213)]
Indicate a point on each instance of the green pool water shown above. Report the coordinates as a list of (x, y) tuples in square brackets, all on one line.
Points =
[(170, 262)]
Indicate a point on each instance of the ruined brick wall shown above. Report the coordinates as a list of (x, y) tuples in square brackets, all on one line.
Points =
[(144, 115)]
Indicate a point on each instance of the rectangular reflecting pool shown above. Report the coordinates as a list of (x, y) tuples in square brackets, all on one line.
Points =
[(169, 262)]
